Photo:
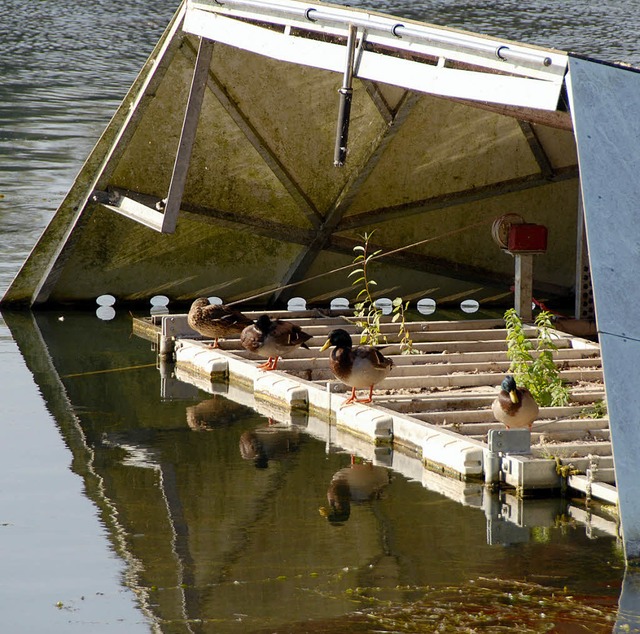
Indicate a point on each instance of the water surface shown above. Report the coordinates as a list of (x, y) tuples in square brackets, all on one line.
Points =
[(211, 517)]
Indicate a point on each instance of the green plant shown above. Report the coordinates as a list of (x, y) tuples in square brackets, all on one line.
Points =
[(367, 314), (534, 368), (406, 342), (597, 410)]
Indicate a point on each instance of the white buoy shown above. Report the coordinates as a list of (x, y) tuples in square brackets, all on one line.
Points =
[(469, 306), (427, 306)]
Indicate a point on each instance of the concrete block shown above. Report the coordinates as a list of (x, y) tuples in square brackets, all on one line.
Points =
[(201, 361), (276, 387), (365, 422), (524, 473), (454, 454)]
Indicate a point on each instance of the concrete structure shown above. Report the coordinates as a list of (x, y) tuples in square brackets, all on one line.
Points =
[(261, 140)]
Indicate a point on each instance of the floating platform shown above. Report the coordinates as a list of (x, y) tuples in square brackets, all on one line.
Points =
[(436, 405)]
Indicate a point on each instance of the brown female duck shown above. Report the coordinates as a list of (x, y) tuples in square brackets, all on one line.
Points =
[(216, 320), (273, 338), (359, 367)]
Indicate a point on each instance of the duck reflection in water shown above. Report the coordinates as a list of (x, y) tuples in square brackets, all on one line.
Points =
[(274, 441), (214, 413), (359, 482)]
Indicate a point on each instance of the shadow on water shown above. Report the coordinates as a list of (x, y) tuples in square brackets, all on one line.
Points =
[(231, 521)]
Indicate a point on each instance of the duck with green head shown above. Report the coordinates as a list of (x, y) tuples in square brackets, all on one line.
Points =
[(514, 406), (358, 367)]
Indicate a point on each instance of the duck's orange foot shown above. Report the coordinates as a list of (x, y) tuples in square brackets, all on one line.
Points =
[(270, 364), (354, 399)]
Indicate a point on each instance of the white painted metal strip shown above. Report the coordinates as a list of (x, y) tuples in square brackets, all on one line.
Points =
[(446, 82), (401, 34), (139, 212)]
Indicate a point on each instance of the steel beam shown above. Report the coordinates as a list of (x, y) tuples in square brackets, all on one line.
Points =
[(607, 138)]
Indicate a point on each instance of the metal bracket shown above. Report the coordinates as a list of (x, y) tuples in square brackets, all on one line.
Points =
[(501, 442), (511, 441)]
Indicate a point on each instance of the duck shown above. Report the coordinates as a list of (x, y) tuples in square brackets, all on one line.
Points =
[(274, 338), (216, 321), (360, 367), (514, 406)]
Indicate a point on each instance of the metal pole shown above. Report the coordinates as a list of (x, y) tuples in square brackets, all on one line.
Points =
[(346, 94), (524, 286), (187, 136)]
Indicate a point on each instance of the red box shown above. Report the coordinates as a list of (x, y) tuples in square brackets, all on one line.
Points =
[(527, 238)]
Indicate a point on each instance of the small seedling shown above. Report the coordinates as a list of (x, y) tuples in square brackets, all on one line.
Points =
[(597, 410), (367, 314), (399, 312)]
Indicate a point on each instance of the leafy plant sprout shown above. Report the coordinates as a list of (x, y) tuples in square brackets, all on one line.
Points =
[(399, 315), (597, 410), (534, 368), (368, 315)]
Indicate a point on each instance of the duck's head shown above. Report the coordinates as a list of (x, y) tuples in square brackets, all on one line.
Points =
[(339, 338), (510, 387), (263, 323)]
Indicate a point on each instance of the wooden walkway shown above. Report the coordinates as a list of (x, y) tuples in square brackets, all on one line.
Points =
[(435, 405)]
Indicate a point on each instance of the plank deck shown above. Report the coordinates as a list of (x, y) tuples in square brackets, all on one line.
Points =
[(435, 404)]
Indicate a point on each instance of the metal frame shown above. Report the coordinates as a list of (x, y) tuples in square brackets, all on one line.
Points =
[(165, 217), (455, 44)]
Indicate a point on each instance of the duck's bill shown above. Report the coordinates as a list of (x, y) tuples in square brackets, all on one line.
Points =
[(514, 396), (327, 343)]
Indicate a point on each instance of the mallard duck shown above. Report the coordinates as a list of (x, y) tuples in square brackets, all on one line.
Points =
[(216, 320), (359, 367), (514, 406), (273, 338)]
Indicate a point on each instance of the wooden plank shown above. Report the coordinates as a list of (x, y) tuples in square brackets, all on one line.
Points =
[(416, 403), (565, 418), (574, 449), (600, 490)]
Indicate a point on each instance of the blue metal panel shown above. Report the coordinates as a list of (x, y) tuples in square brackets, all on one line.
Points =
[(605, 100)]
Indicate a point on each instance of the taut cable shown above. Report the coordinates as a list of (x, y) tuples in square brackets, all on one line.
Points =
[(353, 264)]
